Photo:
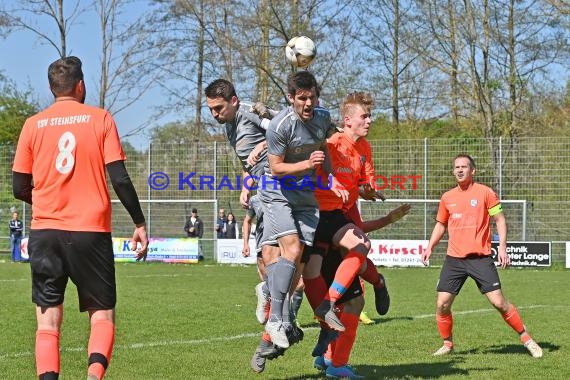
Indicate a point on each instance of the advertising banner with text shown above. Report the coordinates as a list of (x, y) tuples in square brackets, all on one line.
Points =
[(526, 253), (229, 252), (401, 253), (185, 250)]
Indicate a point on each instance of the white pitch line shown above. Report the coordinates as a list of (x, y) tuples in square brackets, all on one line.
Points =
[(480, 311), (190, 342)]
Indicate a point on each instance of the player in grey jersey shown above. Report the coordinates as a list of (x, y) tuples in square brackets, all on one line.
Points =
[(296, 143), (244, 129)]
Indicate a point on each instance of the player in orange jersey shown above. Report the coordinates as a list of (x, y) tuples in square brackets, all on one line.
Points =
[(350, 155), (65, 150), (465, 212)]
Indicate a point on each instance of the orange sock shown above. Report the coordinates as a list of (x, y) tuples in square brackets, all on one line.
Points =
[(47, 352), (330, 350), (513, 319), (371, 275), (345, 340), (344, 275), (265, 336), (445, 326), (315, 290), (362, 285), (100, 347)]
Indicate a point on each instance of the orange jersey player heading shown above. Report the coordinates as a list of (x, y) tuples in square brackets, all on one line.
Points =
[(65, 148), (352, 166), (466, 214)]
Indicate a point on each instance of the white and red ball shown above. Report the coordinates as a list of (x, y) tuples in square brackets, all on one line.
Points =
[(300, 51)]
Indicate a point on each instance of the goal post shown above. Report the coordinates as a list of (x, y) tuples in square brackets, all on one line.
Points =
[(419, 222)]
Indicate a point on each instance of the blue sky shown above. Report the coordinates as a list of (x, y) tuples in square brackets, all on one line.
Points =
[(25, 59)]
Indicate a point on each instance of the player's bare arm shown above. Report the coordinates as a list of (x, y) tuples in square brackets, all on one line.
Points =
[(246, 231), (139, 242), (279, 168), (245, 190), (501, 223), (256, 153), (436, 236), (392, 217)]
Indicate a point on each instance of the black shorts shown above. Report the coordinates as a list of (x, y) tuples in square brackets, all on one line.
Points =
[(328, 269), (329, 224), (84, 257), (480, 268)]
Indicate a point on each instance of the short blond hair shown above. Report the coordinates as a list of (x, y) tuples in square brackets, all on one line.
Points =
[(358, 98)]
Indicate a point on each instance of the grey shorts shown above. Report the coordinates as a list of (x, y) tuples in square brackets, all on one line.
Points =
[(288, 212), (480, 268)]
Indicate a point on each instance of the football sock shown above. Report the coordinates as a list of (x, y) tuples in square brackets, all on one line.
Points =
[(315, 290), (286, 312), (344, 275), (362, 285), (371, 275), (47, 354), (265, 288), (269, 270), (445, 326), (100, 347), (265, 336), (296, 300), (513, 319), (282, 276), (345, 340)]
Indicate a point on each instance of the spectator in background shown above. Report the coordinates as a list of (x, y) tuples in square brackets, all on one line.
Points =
[(194, 227), (16, 228), (232, 231), (221, 223)]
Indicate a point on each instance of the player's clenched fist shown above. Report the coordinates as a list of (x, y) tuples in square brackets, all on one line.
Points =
[(316, 158)]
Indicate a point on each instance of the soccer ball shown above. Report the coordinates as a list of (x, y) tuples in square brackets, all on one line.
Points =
[(300, 51)]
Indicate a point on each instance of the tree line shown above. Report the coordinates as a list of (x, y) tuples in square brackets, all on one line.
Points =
[(470, 67)]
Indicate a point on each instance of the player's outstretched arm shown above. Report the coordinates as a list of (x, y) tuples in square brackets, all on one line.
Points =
[(392, 217), (368, 193)]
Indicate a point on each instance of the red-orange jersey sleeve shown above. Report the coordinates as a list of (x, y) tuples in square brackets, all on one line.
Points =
[(66, 148), (352, 165), (466, 214)]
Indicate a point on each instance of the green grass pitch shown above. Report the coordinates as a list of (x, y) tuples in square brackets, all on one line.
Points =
[(198, 322)]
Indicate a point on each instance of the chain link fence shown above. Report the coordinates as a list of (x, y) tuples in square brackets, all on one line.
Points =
[(171, 179)]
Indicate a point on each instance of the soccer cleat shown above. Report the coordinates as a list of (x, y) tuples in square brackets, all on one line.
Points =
[(365, 319), (382, 297), (294, 334), (271, 352), (262, 303), (342, 372), (533, 348), (325, 313), (277, 332), (326, 336), (257, 361), (321, 363), (443, 350)]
